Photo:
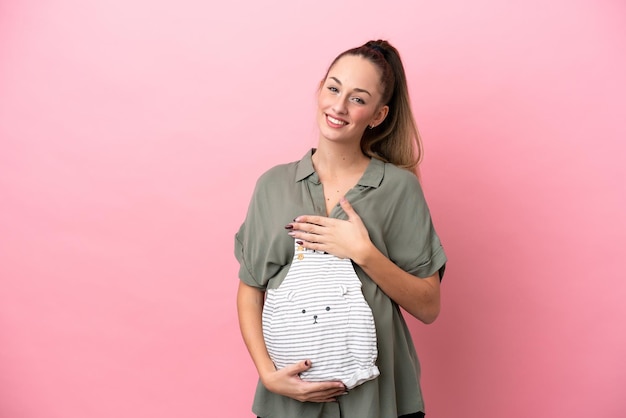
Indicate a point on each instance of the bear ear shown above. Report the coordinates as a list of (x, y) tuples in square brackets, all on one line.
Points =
[(291, 295), (342, 289)]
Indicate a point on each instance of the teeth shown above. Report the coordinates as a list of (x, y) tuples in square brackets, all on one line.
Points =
[(336, 121)]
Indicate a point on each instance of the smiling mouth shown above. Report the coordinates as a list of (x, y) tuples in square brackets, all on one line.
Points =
[(336, 121)]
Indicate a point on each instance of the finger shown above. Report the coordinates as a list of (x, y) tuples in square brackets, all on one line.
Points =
[(322, 400), (328, 388), (323, 391), (310, 237), (347, 208), (316, 246), (312, 219), (334, 393), (308, 227), (329, 395), (295, 227), (297, 368)]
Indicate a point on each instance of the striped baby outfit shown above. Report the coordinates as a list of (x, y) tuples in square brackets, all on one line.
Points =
[(319, 313)]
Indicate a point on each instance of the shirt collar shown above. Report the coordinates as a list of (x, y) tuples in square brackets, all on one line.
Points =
[(305, 167), (372, 177)]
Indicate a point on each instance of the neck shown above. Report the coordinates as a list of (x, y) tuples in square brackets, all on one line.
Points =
[(339, 159)]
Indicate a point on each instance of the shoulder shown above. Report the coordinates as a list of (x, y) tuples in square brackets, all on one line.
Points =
[(400, 179), (278, 173), (400, 191), (287, 174)]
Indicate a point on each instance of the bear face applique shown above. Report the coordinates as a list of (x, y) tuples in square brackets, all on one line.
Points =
[(324, 307)]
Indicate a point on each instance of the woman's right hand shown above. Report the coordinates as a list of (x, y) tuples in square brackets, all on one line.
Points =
[(287, 382)]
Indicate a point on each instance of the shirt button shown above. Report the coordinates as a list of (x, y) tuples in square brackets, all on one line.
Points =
[(300, 256), (300, 248)]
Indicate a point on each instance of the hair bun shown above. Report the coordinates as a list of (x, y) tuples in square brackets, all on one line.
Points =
[(378, 46)]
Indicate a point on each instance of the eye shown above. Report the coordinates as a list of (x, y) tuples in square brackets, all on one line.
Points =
[(358, 100), (328, 308), (333, 89), (304, 311)]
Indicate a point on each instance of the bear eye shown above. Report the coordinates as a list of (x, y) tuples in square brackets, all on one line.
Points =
[(304, 311), (328, 308)]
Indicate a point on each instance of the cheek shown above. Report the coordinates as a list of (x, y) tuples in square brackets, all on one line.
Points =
[(323, 101), (360, 114)]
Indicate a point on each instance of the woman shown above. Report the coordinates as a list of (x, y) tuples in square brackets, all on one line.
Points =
[(357, 198)]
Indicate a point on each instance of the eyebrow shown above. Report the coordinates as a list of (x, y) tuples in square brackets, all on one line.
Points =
[(355, 89)]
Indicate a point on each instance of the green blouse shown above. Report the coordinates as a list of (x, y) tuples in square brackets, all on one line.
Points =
[(391, 204)]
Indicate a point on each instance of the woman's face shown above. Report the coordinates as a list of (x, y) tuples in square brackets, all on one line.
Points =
[(349, 100)]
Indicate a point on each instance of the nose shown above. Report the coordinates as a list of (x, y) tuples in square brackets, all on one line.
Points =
[(339, 106)]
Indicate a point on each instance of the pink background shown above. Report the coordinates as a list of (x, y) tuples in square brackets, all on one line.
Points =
[(132, 133)]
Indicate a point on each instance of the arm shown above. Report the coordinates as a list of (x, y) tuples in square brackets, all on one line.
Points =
[(419, 297), (350, 239), (286, 381)]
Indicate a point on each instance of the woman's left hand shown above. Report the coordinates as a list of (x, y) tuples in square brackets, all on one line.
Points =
[(341, 238)]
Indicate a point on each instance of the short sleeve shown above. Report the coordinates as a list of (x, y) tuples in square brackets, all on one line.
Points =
[(262, 247), (245, 268), (412, 242)]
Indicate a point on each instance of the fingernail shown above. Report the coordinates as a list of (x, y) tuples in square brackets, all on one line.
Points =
[(307, 363), (291, 233), (296, 219), (299, 242), (290, 226)]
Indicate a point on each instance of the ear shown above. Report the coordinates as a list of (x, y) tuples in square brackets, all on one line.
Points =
[(380, 116)]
